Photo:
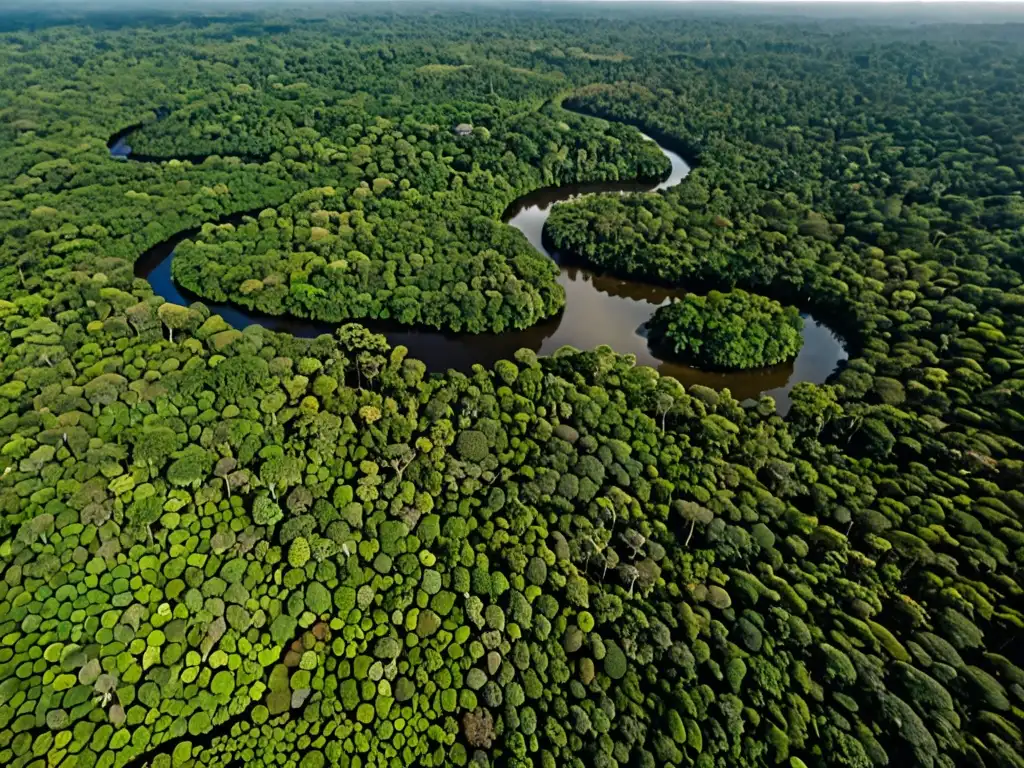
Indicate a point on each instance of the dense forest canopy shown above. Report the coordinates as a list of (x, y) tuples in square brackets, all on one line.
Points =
[(733, 329), (419, 244), (223, 546)]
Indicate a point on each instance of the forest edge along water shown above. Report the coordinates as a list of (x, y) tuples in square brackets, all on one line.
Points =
[(599, 308)]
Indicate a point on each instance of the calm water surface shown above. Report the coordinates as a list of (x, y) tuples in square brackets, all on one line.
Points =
[(600, 309)]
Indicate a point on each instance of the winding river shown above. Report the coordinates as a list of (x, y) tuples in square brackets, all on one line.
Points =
[(600, 309)]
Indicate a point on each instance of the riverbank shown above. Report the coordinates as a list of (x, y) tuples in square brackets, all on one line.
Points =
[(600, 309)]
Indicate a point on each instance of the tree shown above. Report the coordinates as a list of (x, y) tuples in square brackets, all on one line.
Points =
[(478, 728), (176, 318), (154, 446), (734, 329), (279, 473), (629, 575), (369, 365), (669, 393), (814, 407), (140, 317), (693, 513), (609, 560), (400, 456), (223, 469), (472, 446), (298, 552), (869, 538), (266, 511), (190, 466), (142, 514), (634, 540)]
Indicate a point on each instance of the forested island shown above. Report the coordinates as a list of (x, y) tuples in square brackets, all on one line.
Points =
[(727, 330), (228, 545)]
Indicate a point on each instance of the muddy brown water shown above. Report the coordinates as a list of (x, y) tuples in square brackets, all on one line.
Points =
[(599, 308)]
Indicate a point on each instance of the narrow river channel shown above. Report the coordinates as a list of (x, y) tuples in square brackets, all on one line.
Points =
[(600, 309)]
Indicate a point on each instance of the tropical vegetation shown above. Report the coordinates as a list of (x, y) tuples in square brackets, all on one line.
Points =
[(422, 244), (227, 545), (734, 329)]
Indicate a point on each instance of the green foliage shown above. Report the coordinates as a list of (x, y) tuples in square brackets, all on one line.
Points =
[(727, 330), (472, 446), (615, 663), (224, 545), (318, 598), (265, 511), (298, 552)]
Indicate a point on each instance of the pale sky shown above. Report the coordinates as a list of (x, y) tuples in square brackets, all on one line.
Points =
[(966, 3)]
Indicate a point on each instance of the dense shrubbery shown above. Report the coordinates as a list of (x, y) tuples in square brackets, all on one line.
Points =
[(221, 547), (437, 263), (407, 237), (727, 330)]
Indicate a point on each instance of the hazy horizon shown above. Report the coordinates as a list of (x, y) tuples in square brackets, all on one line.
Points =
[(33, 13)]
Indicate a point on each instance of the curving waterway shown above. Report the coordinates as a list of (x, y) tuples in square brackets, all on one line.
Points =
[(599, 308)]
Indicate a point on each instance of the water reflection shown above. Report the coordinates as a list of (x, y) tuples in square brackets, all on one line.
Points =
[(600, 309)]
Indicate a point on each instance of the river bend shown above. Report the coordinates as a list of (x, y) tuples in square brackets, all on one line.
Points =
[(599, 308)]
